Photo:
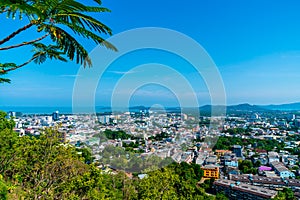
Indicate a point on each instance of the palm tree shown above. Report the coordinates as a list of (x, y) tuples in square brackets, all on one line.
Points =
[(59, 20)]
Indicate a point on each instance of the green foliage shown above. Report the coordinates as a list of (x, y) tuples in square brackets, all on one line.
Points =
[(221, 196), (246, 166), (3, 190), (119, 158), (167, 184), (285, 194), (131, 144), (235, 131), (86, 154), (207, 185), (159, 137), (114, 135), (227, 143), (257, 163), (4, 123)]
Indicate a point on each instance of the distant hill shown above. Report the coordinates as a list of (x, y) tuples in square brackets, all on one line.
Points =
[(253, 108), (283, 107), (229, 109), (245, 107), (233, 108)]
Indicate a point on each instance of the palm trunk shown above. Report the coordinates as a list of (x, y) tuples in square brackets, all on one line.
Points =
[(24, 43), (19, 66), (16, 33)]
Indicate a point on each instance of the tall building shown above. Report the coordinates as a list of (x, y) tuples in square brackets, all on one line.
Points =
[(297, 123), (291, 117), (11, 114), (55, 116), (237, 149), (104, 119), (14, 114), (281, 170)]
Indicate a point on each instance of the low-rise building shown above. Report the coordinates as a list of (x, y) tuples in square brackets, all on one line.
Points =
[(281, 170), (210, 171), (211, 160), (267, 182), (273, 156), (221, 152), (237, 190)]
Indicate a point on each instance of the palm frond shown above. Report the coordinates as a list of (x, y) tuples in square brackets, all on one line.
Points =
[(58, 17), (42, 52), (4, 66), (69, 45), (74, 6), (39, 57), (90, 35), (20, 7), (98, 1), (4, 80), (79, 18)]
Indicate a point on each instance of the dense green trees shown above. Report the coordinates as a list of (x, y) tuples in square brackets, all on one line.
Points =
[(115, 135), (234, 131), (285, 194), (3, 189), (159, 137), (246, 166), (227, 143), (45, 168), (176, 181), (221, 196)]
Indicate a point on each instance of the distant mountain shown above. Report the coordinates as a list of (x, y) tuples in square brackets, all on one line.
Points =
[(252, 108), (219, 109), (138, 108), (283, 107), (232, 108), (245, 107)]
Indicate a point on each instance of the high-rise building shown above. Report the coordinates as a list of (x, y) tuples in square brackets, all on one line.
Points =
[(104, 119), (297, 123), (237, 149), (55, 116), (11, 114), (291, 117)]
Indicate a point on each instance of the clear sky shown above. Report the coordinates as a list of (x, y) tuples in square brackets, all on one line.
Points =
[(255, 44)]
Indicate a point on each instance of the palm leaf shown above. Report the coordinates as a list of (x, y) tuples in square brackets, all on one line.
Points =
[(90, 35), (69, 45), (79, 18), (42, 52), (4, 80), (22, 7)]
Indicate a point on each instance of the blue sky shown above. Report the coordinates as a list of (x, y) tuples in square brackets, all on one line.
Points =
[(255, 45)]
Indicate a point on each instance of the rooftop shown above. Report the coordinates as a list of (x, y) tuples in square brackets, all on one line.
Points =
[(258, 191)]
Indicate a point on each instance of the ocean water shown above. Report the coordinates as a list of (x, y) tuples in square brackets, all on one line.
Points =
[(69, 109), (50, 110)]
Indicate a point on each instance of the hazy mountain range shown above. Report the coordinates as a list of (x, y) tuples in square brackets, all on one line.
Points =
[(233, 108), (255, 108)]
